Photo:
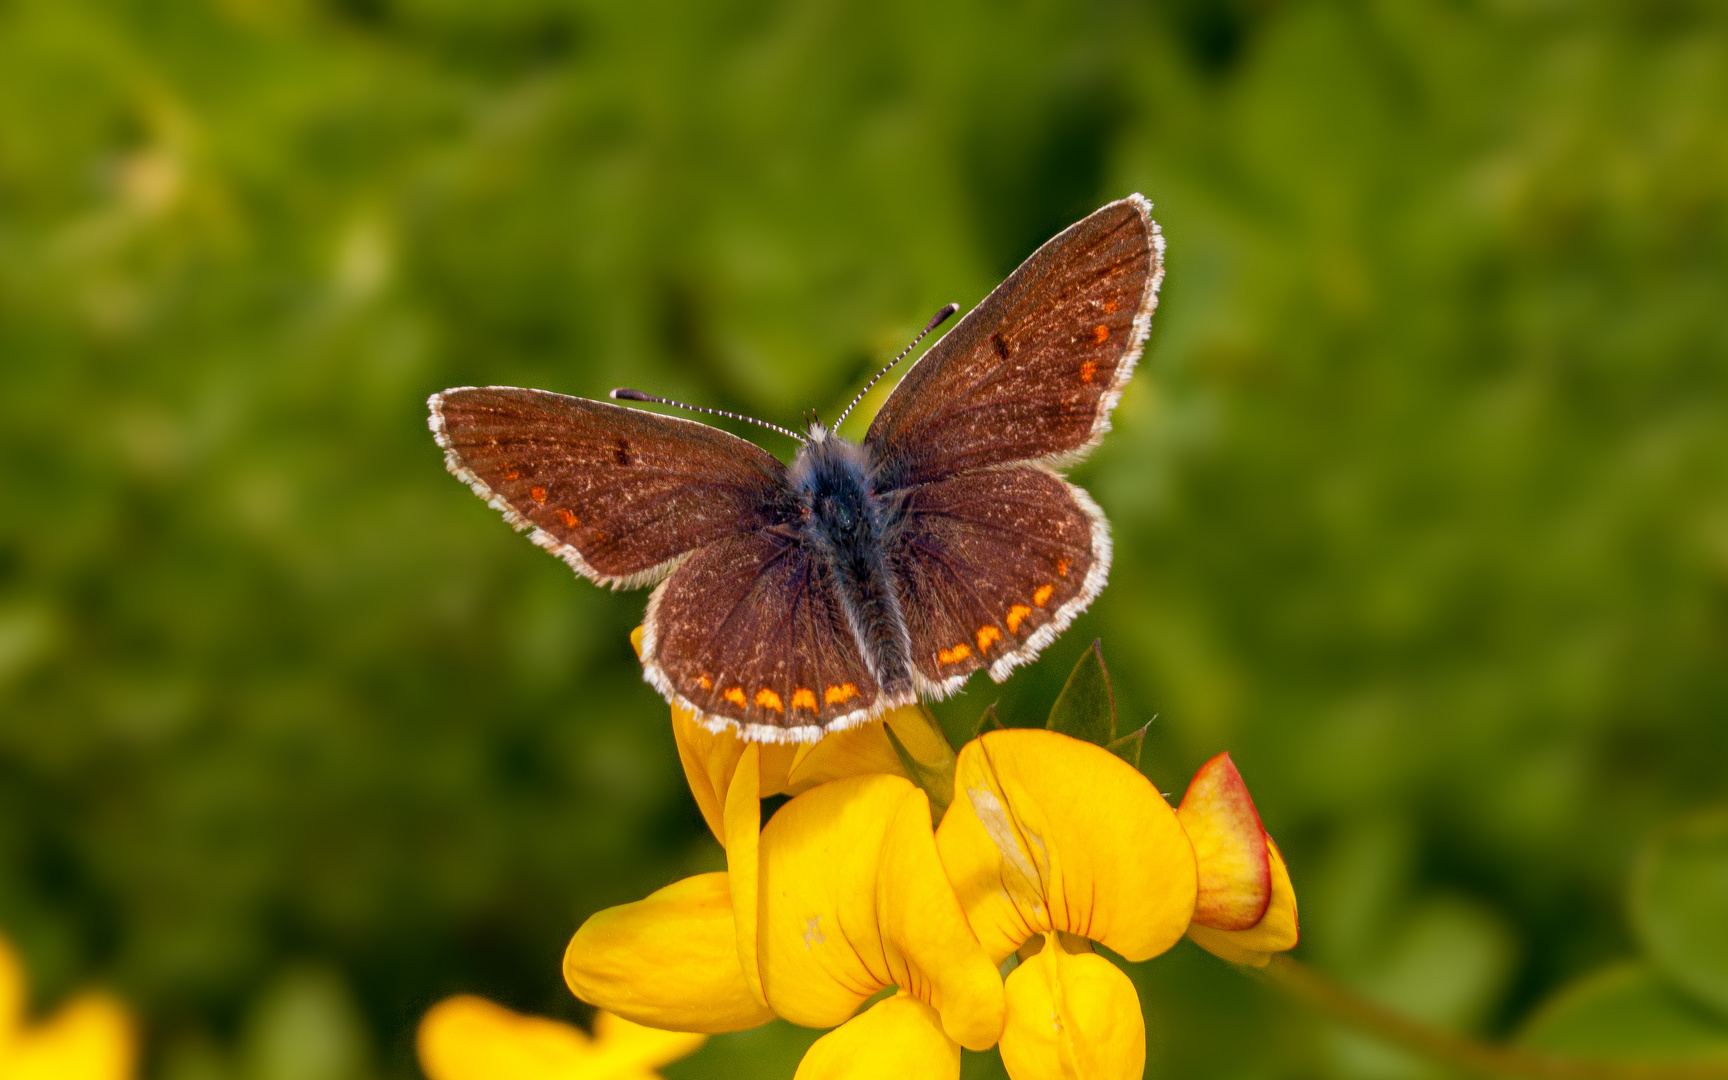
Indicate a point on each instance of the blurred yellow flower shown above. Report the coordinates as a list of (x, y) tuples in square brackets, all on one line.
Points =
[(1246, 909), (90, 1038), (470, 1038), (1051, 844)]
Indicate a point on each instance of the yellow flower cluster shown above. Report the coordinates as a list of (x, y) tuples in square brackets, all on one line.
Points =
[(89, 1038), (1039, 846)]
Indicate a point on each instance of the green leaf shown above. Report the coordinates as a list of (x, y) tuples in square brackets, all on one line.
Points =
[(935, 776), (1680, 906), (1086, 707), (987, 722), (1624, 1012), (1128, 746)]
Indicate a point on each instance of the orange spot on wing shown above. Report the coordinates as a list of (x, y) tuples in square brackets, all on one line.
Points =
[(1041, 595), (1017, 613), (956, 654), (705, 682), (1109, 306), (1099, 334), (512, 474), (1087, 370), (836, 694), (803, 699), (986, 636), (538, 493), (1062, 567), (768, 699), (735, 696), (570, 520)]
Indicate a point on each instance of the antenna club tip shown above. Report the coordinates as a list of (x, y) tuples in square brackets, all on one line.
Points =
[(624, 393), (941, 317)]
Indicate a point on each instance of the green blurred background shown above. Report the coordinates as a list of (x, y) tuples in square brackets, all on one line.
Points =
[(1420, 495)]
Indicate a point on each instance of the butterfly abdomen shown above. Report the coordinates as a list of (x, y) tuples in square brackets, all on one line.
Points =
[(844, 524)]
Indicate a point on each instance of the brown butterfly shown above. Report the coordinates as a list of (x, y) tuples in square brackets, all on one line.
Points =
[(797, 600)]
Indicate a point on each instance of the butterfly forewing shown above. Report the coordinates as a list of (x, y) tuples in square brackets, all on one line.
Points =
[(1032, 372), (750, 630), (992, 567), (618, 494)]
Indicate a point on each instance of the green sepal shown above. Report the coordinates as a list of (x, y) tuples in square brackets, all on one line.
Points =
[(936, 778), (1128, 746), (1086, 707), (988, 722)]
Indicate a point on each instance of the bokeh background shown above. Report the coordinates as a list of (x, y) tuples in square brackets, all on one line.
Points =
[(1420, 496)]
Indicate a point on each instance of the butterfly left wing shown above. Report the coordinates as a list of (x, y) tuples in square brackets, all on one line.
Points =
[(992, 566), (617, 493), (749, 632)]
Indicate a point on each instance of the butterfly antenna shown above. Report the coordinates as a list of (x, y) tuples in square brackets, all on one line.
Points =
[(624, 393), (940, 318)]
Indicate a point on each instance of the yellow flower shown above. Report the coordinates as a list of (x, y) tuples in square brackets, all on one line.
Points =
[(469, 1038), (1053, 843), (1050, 844), (841, 896), (1246, 909), (90, 1038)]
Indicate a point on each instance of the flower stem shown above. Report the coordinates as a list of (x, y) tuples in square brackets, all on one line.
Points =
[(1340, 1002)]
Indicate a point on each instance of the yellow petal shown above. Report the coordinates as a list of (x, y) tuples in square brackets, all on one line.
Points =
[(1276, 932), (620, 1043), (865, 749), (932, 952), (470, 1038), (895, 1039), (11, 989), (1229, 847), (1072, 1015), (821, 950), (856, 751), (669, 961), (709, 759), (743, 835), (90, 1038), (1051, 833), (854, 899)]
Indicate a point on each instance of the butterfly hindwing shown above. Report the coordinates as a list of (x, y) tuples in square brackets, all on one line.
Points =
[(618, 494), (1032, 373), (992, 566), (750, 631)]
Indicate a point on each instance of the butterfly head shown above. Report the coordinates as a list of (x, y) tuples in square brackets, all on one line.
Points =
[(813, 428), (831, 471)]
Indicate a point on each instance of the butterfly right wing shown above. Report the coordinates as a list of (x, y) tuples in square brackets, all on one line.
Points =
[(1033, 372), (749, 632), (619, 494)]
